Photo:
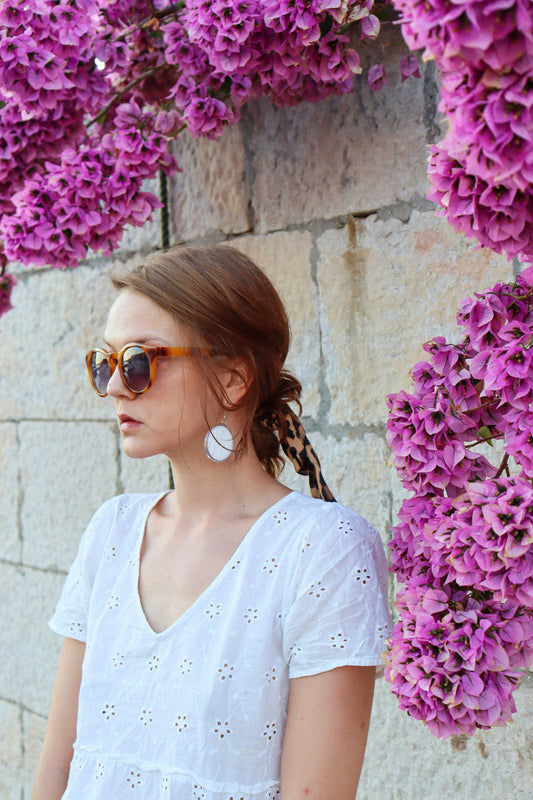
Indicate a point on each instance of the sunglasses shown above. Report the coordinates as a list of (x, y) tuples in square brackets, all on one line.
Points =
[(136, 364)]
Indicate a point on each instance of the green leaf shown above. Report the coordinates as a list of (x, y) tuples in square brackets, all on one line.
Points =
[(484, 433)]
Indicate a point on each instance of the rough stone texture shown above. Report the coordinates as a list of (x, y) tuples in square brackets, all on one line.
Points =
[(34, 727), (10, 540), (312, 162), (10, 751), (386, 287), (405, 761), (286, 259), (357, 472), (29, 649), (44, 341), (67, 470), (209, 196)]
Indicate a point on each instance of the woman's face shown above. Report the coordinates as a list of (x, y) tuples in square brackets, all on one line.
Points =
[(169, 418)]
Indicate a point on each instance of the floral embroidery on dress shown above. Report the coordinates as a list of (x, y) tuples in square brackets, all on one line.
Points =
[(293, 650), (112, 552), (316, 589), (118, 660), (305, 546), (345, 527), (384, 631), (270, 730), (165, 783), (222, 729), (109, 710), (112, 602), (270, 675), (250, 615), (146, 717), (279, 517), (225, 671), (153, 664), (76, 627), (77, 762), (99, 772), (185, 666), (270, 565), (133, 779), (338, 641), (362, 575), (181, 723), (213, 610)]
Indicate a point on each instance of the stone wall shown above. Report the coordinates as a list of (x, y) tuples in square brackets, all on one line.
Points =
[(329, 199)]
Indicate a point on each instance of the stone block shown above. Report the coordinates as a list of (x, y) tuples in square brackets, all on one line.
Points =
[(57, 317), (30, 650), (404, 760), (322, 160), (34, 727), (11, 750), (67, 470), (10, 541), (286, 258), (385, 288), (357, 472), (144, 474), (209, 196)]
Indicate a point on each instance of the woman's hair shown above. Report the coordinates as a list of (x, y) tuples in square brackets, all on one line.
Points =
[(230, 306)]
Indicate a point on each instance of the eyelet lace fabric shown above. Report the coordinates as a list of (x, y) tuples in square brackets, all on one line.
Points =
[(198, 711)]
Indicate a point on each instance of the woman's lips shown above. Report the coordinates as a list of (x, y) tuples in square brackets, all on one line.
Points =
[(127, 423)]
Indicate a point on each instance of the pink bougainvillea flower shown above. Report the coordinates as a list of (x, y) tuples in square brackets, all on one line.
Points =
[(463, 544), (377, 77), (7, 282), (409, 67)]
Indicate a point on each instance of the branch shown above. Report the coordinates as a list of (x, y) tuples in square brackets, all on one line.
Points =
[(503, 466), (103, 112), (156, 16)]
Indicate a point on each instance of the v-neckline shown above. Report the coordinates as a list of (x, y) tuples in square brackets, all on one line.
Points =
[(236, 556)]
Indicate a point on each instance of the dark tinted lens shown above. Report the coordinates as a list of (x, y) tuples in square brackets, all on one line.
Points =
[(136, 369), (101, 371)]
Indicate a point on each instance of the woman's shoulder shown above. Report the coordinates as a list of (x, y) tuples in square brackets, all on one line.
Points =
[(118, 515), (127, 503), (321, 518)]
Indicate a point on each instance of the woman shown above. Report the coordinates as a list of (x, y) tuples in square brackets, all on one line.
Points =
[(229, 628)]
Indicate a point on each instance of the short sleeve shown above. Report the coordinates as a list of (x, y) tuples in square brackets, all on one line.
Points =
[(70, 616), (339, 614)]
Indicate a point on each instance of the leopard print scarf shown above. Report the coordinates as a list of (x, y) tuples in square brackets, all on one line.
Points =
[(298, 449)]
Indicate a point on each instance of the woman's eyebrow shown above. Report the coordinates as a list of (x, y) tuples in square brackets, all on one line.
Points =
[(136, 340)]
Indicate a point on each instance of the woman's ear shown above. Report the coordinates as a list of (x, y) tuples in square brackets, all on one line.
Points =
[(235, 378)]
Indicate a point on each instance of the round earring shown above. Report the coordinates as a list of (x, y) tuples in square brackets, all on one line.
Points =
[(218, 442)]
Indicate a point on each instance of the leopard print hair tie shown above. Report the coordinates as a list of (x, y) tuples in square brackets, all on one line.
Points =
[(298, 449)]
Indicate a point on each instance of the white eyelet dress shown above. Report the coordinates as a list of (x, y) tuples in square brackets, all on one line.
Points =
[(197, 712)]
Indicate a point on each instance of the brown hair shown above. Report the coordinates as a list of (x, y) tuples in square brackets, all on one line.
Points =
[(230, 306)]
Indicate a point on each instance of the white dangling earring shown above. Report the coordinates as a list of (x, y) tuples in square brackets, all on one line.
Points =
[(218, 442)]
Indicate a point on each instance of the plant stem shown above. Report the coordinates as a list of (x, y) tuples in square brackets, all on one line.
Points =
[(103, 112), (503, 466)]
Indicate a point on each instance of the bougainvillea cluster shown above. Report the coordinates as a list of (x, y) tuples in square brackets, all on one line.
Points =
[(463, 546), (92, 91), (482, 172)]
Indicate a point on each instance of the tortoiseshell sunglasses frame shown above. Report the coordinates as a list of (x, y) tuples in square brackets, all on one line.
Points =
[(116, 359)]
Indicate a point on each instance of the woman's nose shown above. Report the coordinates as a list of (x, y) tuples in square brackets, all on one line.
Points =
[(116, 386)]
